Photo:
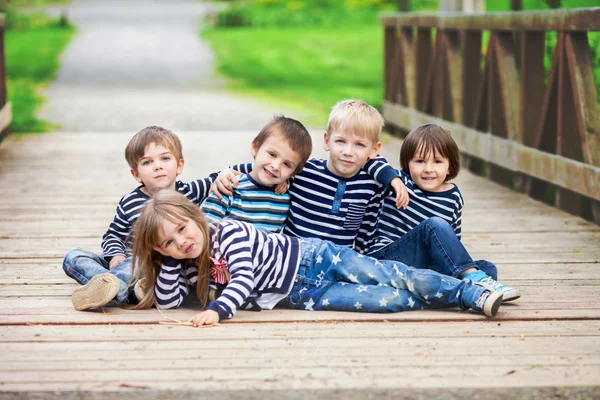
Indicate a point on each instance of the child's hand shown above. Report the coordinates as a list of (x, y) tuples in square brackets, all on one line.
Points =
[(401, 193), (115, 260), (281, 188), (222, 185), (208, 317)]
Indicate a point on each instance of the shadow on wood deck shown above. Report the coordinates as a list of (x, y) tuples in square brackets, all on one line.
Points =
[(59, 191)]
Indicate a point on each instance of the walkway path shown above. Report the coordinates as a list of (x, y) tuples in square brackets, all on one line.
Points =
[(60, 189), (142, 62)]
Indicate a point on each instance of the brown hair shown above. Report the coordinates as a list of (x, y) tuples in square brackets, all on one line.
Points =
[(136, 148), (357, 117), (293, 132), (430, 138), (176, 208)]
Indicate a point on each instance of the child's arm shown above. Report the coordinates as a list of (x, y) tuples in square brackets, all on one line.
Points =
[(235, 245), (113, 240), (171, 285), (457, 220), (228, 178), (198, 190), (384, 173)]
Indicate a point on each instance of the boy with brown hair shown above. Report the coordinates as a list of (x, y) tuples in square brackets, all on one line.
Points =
[(155, 158)]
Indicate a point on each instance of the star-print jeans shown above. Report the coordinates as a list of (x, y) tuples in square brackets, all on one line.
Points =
[(337, 278), (82, 265), (433, 244)]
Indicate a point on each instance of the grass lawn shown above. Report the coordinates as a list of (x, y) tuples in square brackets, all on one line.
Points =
[(309, 68), (32, 59)]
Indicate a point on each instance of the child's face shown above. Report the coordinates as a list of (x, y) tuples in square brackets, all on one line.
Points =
[(348, 152), (429, 170), (180, 240), (274, 161), (158, 169)]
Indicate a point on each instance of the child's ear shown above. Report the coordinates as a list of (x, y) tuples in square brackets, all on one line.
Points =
[(375, 150), (253, 149), (326, 143), (180, 166), (135, 174)]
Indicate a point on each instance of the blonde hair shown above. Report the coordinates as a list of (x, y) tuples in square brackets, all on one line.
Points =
[(176, 208), (136, 148), (357, 117)]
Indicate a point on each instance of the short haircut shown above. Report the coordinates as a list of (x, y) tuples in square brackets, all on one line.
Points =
[(357, 117), (430, 138), (136, 148), (293, 132)]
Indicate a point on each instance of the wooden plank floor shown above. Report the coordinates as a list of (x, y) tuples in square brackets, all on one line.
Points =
[(60, 190)]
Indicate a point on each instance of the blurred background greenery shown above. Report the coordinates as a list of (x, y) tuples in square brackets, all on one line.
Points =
[(303, 54), (309, 54), (33, 43)]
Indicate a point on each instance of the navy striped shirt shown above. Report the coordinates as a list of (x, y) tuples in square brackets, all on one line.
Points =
[(328, 207), (262, 267), (394, 223), (115, 240), (250, 202)]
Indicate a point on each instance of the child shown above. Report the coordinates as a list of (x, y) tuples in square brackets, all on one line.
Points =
[(176, 249), (155, 157), (280, 150), (329, 197), (429, 159)]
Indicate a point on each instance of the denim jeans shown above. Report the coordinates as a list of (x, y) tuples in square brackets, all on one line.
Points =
[(82, 265), (337, 278), (433, 245)]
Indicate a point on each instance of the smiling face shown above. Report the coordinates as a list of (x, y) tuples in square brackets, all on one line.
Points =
[(157, 169), (429, 170), (181, 240), (348, 152), (274, 161)]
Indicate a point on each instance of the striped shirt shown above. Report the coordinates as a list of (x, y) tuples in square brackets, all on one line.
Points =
[(328, 207), (394, 223), (262, 268), (250, 202), (115, 241)]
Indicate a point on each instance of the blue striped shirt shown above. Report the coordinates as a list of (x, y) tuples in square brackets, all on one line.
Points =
[(250, 202), (115, 240), (394, 223), (262, 268)]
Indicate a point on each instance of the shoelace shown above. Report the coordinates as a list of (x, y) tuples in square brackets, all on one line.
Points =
[(495, 284)]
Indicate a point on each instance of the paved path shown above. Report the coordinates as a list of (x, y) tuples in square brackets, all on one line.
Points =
[(139, 63)]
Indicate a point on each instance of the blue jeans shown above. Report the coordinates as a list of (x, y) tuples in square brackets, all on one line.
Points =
[(433, 244), (337, 278), (82, 265)]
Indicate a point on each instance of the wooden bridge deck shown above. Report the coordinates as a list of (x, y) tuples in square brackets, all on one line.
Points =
[(59, 191)]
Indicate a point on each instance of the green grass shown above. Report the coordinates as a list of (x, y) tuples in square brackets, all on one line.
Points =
[(32, 60), (307, 68)]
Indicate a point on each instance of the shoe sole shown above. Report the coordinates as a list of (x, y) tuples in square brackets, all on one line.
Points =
[(98, 292), (492, 304), (138, 291), (510, 295)]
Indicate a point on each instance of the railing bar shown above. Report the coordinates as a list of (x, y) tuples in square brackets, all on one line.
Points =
[(577, 19)]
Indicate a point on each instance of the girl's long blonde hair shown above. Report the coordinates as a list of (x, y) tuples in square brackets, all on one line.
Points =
[(176, 208)]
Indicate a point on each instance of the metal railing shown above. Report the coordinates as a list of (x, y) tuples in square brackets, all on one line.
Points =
[(540, 138)]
